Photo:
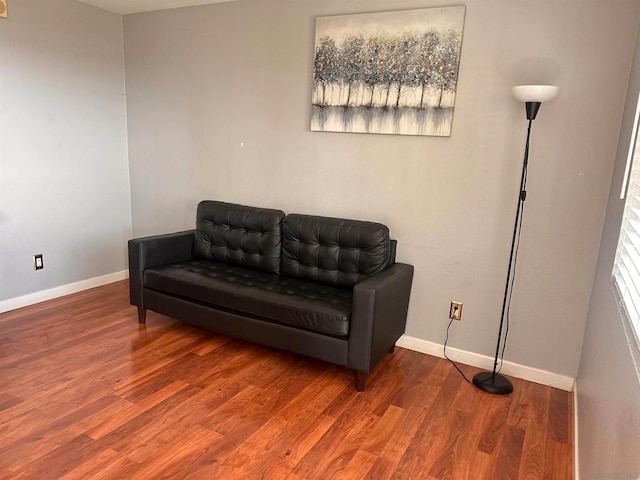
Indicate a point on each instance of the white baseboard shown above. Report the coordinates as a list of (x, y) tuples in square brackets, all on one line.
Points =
[(43, 295), (531, 374), (576, 464)]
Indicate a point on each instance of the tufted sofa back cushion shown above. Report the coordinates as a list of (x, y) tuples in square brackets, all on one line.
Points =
[(333, 251), (239, 235)]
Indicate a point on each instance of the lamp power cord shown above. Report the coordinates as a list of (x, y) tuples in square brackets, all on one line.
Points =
[(455, 310), (508, 311)]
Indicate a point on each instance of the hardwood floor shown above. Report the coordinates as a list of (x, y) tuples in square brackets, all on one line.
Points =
[(86, 392)]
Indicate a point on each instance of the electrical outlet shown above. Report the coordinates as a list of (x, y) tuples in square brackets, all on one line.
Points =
[(455, 311), (38, 262)]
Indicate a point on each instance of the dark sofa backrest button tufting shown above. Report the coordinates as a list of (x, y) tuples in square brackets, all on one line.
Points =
[(332, 250), (239, 235)]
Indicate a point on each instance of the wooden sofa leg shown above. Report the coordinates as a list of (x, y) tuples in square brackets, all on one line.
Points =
[(361, 380), (392, 349), (142, 315)]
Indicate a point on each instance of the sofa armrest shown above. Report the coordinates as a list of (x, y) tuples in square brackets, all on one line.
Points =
[(379, 315), (153, 251)]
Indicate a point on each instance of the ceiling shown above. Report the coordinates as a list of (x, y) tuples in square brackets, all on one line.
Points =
[(124, 7)]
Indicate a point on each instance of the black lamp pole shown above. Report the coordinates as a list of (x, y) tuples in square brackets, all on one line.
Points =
[(493, 382)]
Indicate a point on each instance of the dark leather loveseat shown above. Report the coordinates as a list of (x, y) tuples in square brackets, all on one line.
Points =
[(323, 287)]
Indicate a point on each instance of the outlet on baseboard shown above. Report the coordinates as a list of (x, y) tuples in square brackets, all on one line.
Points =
[(38, 262)]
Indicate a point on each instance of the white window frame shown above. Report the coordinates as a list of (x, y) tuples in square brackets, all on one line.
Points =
[(626, 267)]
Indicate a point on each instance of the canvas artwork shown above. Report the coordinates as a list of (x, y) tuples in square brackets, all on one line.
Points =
[(391, 72)]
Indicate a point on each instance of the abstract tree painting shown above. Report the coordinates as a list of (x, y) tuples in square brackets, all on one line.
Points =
[(391, 72)]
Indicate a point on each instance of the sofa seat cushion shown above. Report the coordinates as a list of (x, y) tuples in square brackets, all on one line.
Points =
[(320, 308)]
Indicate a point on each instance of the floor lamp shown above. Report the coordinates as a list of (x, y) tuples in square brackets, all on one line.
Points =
[(533, 96)]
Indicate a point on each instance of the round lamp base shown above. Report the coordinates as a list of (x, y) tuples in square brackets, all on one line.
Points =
[(490, 383)]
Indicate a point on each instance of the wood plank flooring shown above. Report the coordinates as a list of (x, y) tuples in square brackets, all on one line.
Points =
[(86, 393)]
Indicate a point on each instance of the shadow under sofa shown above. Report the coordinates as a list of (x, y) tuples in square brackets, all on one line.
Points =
[(322, 287)]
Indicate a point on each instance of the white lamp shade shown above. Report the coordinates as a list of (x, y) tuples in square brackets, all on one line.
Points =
[(535, 93)]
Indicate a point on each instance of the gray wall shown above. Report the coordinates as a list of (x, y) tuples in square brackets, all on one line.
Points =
[(203, 81), (608, 383), (64, 181)]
